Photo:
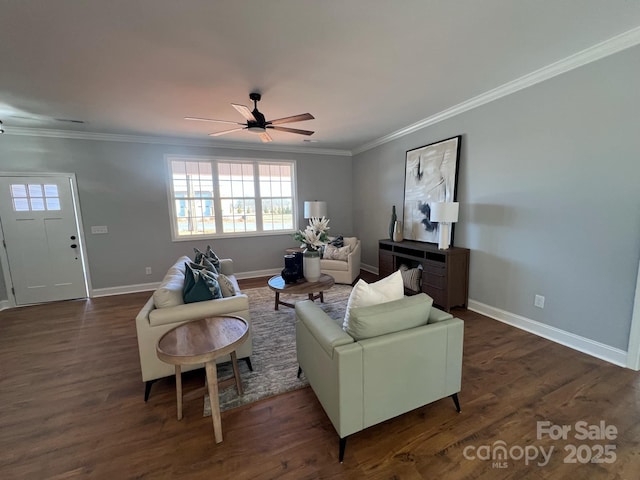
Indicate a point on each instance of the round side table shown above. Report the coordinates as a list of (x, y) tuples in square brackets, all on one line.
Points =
[(203, 341)]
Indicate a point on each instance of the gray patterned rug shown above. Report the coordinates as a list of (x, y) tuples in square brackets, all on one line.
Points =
[(274, 361)]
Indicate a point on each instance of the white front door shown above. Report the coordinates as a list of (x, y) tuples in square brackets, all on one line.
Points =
[(42, 240)]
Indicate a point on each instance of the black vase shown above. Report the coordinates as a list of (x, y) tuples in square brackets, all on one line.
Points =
[(392, 223), (290, 272), (299, 264)]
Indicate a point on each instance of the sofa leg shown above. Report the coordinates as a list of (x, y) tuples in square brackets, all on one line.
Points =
[(343, 445), (147, 389), (248, 360), (456, 401)]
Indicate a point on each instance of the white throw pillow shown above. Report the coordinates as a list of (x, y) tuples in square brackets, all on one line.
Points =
[(364, 294), (335, 253)]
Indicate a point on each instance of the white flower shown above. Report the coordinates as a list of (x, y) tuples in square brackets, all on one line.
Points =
[(319, 224), (314, 235)]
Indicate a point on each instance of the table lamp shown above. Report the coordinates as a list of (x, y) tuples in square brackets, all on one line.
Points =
[(315, 209), (445, 213)]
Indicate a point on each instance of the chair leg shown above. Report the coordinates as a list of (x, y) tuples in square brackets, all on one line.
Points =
[(147, 389), (299, 371), (343, 445), (248, 360), (456, 401)]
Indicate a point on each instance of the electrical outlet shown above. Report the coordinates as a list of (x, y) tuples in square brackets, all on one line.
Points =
[(147, 270), (538, 301)]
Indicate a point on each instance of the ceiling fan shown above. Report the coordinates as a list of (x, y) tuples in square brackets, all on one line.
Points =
[(256, 122)]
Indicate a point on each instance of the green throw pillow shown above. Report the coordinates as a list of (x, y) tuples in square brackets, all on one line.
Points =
[(195, 287), (213, 258), (389, 317)]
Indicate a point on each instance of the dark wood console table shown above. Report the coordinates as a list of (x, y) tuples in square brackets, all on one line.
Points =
[(445, 274)]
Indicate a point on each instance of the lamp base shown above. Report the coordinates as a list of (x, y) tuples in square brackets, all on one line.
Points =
[(443, 240)]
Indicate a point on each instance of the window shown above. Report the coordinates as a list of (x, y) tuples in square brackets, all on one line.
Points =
[(224, 197), (34, 197)]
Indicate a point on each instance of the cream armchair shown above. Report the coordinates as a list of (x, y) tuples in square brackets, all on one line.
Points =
[(344, 271), (165, 310), (405, 354)]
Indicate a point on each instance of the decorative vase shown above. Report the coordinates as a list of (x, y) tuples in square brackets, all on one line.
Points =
[(300, 267), (290, 272), (392, 224), (311, 265), (397, 232)]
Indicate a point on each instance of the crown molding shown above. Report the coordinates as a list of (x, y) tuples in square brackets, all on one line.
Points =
[(185, 142), (613, 45)]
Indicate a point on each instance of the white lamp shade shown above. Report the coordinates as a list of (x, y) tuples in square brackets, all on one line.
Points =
[(444, 212), (315, 209)]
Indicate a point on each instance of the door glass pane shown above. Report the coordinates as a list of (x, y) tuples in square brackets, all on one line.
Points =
[(53, 204), (51, 190), (21, 204), (35, 190), (18, 190), (37, 204)]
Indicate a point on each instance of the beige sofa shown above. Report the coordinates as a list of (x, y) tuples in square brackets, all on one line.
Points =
[(398, 356), (165, 310), (344, 272)]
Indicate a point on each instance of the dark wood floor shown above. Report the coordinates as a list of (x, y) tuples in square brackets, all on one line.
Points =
[(71, 406)]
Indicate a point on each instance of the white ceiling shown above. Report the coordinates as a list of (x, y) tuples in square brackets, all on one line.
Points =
[(363, 68)]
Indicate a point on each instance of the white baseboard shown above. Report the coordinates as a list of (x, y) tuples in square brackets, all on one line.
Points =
[(369, 268), (123, 289), (4, 304), (259, 273), (571, 340)]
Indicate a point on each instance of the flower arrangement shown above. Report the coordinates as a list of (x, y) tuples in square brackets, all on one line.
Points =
[(315, 235)]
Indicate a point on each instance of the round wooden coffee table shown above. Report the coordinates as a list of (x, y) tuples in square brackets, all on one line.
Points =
[(301, 287), (203, 341)]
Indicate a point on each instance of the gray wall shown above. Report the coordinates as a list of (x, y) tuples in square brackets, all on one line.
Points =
[(124, 186), (550, 197)]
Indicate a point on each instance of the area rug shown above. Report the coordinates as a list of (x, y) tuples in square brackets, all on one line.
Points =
[(274, 361)]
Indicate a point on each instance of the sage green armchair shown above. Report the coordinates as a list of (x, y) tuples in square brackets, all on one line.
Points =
[(399, 356)]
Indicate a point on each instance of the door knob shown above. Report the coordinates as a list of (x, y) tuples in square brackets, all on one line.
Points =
[(73, 245)]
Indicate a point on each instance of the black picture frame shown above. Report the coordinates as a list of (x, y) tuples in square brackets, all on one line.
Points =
[(431, 175)]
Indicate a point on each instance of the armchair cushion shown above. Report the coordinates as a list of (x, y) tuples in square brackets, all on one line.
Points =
[(364, 294), (389, 317)]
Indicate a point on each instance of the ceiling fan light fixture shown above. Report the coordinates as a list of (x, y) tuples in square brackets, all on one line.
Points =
[(256, 122)]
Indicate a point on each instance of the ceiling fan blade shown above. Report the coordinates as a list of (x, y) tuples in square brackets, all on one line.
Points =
[(265, 137), (245, 112), (224, 132), (212, 120), (292, 130), (294, 118)]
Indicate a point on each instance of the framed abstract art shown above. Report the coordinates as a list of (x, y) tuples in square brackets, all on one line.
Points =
[(431, 175)]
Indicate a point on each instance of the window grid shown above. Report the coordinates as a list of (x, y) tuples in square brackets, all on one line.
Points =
[(35, 197), (237, 197), (276, 188), (193, 196), (229, 197)]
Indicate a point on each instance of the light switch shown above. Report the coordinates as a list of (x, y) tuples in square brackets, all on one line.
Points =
[(99, 229)]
